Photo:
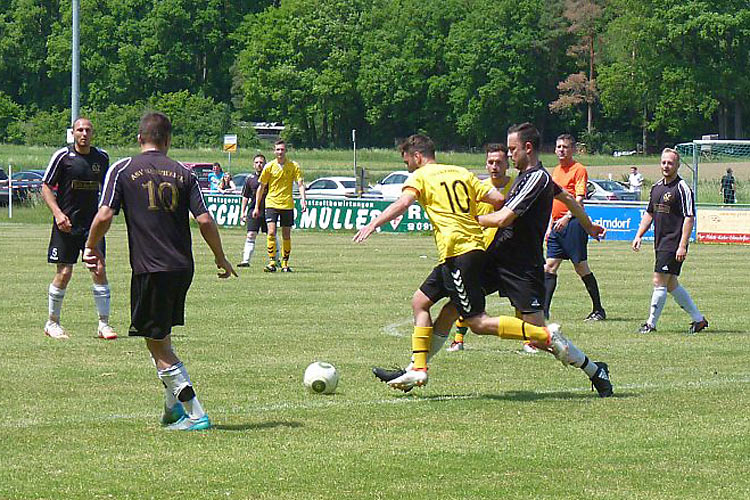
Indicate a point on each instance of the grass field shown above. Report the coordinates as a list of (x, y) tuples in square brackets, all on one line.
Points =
[(80, 417)]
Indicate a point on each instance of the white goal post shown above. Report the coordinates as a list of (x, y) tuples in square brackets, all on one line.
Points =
[(710, 151)]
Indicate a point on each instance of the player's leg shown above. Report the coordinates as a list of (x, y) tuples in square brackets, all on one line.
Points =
[(577, 242), (286, 245), (249, 249), (550, 282), (664, 267), (685, 301), (458, 338), (271, 216), (102, 297), (55, 296)]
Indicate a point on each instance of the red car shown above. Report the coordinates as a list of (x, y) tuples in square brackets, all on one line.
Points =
[(201, 170)]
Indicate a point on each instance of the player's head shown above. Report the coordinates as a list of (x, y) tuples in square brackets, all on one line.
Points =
[(670, 162), (565, 148), (279, 150), (155, 129), (83, 131), (416, 150), (259, 161), (523, 145), (496, 161)]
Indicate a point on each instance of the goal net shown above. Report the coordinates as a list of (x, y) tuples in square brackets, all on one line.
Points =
[(707, 162)]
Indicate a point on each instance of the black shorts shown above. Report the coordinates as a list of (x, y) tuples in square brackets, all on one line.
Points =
[(570, 243), (157, 302), (257, 225), (523, 285), (460, 279), (666, 263), (285, 216), (65, 248)]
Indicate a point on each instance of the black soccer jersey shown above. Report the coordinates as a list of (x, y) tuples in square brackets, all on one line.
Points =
[(669, 205), (249, 190), (156, 193), (530, 198), (78, 178)]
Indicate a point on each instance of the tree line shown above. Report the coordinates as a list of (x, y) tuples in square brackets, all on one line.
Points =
[(617, 73)]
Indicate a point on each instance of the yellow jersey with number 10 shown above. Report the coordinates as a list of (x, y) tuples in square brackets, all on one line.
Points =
[(450, 196), (279, 180)]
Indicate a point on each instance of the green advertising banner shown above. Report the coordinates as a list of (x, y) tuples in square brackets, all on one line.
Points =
[(326, 213)]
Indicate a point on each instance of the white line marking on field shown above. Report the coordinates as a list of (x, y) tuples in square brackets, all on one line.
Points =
[(336, 402), (394, 329)]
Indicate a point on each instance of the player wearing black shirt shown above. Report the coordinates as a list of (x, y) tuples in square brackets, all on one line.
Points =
[(76, 172), (249, 199), (671, 208), (516, 252), (156, 194)]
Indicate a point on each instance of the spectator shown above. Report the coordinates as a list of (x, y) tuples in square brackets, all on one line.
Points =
[(215, 177), (226, 185), (635, 181), (728, 188)]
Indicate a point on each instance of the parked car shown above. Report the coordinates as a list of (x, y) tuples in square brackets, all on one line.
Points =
[(21, 187), (31, 180), (327, 187), (607, 190), (201, 170), (392, 184), (239, 181)]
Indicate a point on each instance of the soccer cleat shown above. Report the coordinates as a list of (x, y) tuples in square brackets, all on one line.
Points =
[(55, 331), (270, 268), (172, 415), (599, 315), (646, 328), (558, 343), (188, 424), (385, 375), (106, 332), (528, 348), (286, 269), (697, 326), (455, 347), (409, 380), (600, 381), (244, 263)]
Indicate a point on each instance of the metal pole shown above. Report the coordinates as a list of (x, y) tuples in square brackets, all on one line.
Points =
[(696, 159), (76, 67), (356, 174), (10, 191)]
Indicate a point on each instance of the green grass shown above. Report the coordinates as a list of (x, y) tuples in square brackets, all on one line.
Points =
[(80, 418)]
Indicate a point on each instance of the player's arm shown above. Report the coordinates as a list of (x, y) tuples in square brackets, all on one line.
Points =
[(642, 228), (93, 259), (502, 218), (243, 209), (259, 194), (575, 208), (495, 198), (393, 210), (210, 234), (61, 220), (687, 230), (302, 195)]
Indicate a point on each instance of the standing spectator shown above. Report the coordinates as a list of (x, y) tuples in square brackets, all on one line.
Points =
[(249, 202), (728, 188), (567, 238), (214, 178), (156, 194), (671, 207), (635, 181), (78, 172), (276, 183)]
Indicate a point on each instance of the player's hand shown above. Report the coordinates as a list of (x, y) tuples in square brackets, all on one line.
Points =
[(363, 233), (256, 212), (226, 268), (243, 219), (561, 223), (681, 254), (636, 244), (303, 205), (94, 260), (597, 232), (63, 223)]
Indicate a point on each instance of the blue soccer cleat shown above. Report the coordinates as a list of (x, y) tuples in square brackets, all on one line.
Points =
[(172, 415), (188, 424)]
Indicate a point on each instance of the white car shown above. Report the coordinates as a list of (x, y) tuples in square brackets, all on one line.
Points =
[(607, 190), (336, 187), (392, 184)]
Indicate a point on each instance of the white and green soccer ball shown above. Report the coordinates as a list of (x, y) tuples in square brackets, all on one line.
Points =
[(321, 378)]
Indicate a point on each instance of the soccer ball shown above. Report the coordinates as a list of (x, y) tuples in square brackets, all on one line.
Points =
[(321, 377)]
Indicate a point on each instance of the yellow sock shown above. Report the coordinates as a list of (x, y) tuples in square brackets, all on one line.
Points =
[(460, 323), (420, 346), (286, 249), (271, 246), (458, 337), (514, 328)]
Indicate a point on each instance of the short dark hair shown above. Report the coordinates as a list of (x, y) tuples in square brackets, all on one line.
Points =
[(494, 147), (527, 132), (216, 164), (566, 137), (280, 141), (259, 155), (155, 128), (418, 143)]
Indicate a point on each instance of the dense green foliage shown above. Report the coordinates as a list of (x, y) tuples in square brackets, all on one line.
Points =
[(461, 70)]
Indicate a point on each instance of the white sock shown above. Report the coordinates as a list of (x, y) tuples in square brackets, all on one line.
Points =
[(101, 299), (658, 299), (437, 342), (589, 367), (575, 357), (685, 301), (247, 253), (176, 379), (56, 296)]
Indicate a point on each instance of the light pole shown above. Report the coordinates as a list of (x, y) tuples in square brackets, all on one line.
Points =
[(76, 67)]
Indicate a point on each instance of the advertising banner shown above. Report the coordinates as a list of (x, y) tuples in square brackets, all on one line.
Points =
[(716, 225)]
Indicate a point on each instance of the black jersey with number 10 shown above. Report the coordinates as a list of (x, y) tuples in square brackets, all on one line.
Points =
[(156, 194)]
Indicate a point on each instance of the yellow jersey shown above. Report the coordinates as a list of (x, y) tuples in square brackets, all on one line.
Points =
[(450, 196), (279, 180), (487, 208)]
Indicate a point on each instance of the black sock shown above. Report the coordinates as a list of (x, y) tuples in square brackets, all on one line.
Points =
[(550, 283), (593, 288)]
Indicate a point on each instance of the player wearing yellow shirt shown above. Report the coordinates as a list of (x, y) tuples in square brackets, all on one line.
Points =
[(450, 196), (276, 183)]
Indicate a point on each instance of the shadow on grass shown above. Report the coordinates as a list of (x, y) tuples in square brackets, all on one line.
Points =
[(522, 396), (259, 426)]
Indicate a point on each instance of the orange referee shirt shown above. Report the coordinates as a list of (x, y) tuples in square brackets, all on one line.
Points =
[(572, 179)]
